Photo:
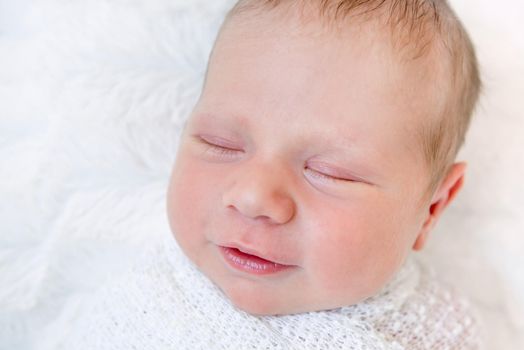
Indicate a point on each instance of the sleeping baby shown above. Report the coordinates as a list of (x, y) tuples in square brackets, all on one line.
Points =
[(320, 154)]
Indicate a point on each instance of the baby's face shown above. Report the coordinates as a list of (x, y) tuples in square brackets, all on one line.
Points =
[(300, 151)]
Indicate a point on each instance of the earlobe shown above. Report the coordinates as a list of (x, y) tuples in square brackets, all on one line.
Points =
[(444, 195), (420, 241)]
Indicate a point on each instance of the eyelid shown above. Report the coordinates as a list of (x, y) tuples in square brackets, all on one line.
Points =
[(329, 177), (332, 171), (218, 149), (336, 173), (217, 141)]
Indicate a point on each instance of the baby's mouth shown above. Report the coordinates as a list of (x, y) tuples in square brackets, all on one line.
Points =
[(250, 263)]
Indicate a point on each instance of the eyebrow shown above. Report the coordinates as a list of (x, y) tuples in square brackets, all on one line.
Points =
[(344, 141), (336, 142), (343, 144), (233, 119)]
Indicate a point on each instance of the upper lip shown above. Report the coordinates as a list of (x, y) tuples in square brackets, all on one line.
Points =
[(251, 251)]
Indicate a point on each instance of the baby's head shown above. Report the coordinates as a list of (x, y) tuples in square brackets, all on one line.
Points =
[(324, 143)]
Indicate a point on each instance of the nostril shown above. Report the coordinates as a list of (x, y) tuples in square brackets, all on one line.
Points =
[(262, 218)]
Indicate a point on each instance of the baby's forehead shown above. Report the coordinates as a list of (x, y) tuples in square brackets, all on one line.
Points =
[(412, 25), (410, 40), (365, 40)]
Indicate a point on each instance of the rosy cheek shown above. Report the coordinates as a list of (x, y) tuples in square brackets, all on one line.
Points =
[(332, 250), (187, 200), (346, 251)]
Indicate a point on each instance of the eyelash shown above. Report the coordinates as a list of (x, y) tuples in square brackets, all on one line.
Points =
[(326, 177), (224, 151)]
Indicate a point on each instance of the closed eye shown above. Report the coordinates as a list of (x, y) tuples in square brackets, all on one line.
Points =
[(322, 176), (217, 149)]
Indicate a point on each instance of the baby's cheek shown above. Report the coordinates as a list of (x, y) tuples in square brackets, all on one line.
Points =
[(335, 258), (186, 205), (354, 262)]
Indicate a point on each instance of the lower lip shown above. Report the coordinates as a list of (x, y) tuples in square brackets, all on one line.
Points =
[(250, 263)]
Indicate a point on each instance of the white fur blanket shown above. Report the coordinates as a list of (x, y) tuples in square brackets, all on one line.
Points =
[(92, 98)]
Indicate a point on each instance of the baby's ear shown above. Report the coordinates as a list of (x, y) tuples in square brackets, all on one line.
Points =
[(444, 195)]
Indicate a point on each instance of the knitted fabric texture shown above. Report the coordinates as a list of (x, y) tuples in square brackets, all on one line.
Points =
[(165, 302)]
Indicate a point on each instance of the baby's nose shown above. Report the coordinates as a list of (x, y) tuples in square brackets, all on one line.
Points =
[(260, 193)]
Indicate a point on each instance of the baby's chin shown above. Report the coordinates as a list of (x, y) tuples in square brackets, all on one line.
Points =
[(259, 302), (265, 306), (274, 308), (245, 296)]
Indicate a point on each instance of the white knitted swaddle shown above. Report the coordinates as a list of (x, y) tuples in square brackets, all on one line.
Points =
[(167, 303)]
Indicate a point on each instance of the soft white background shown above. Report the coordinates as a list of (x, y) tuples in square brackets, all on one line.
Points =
[(92, 97)]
